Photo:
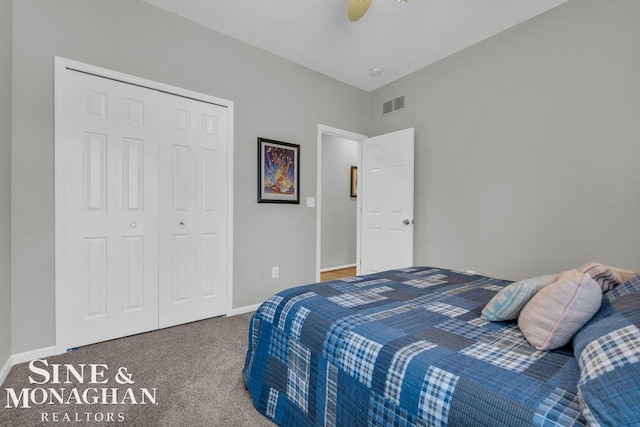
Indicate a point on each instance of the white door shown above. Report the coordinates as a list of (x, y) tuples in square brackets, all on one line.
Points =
[(110, 205), (386, 197), (142, 211), (193, 190)]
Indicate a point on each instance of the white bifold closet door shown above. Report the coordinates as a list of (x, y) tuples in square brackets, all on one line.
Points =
[(144, 193)]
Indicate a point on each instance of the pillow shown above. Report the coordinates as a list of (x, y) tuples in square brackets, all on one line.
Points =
[(623, 275), (601, 274), (607, 349), (551, 318), (607, 277), (506, 304)]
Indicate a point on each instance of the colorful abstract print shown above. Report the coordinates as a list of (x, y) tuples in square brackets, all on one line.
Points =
[(403, 348)]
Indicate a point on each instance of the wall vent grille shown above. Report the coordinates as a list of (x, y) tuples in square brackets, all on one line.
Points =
[(387, 107), (393, 105)]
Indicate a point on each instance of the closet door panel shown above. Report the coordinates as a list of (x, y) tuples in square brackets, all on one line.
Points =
[(177, 145), (137, 205), (212, 212), (110, 167), (192, 195)]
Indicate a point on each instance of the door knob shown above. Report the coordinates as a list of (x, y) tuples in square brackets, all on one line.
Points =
[(181, 224), (406, 222), (133, 224)]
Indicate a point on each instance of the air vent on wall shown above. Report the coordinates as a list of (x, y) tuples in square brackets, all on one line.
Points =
[(387, 107), (393, 105)]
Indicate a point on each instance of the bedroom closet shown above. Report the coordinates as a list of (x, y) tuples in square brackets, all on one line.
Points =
[(142, 194)]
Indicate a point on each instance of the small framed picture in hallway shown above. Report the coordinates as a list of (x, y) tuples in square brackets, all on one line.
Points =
[(354, 182)]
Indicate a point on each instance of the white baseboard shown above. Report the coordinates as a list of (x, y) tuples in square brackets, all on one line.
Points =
[(243, 310), (5, 369), (338, 267), (27, 356), (45, 352), (40, 353)]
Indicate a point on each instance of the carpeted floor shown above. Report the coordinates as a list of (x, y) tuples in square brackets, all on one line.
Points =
[(196, 368)]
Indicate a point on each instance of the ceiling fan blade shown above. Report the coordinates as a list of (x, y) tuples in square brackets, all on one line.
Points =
[(357, 9)]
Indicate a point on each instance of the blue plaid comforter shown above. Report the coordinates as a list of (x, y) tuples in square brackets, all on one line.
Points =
[(402, 348)]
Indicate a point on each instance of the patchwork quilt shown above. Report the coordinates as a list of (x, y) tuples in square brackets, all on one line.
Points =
[(403, 348)]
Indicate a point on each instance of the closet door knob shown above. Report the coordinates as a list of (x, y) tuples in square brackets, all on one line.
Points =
[(181, 224)]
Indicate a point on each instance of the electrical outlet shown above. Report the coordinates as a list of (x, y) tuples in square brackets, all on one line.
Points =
[(275, 272)]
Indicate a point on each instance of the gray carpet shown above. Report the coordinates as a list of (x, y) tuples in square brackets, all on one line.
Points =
[(196, 368)]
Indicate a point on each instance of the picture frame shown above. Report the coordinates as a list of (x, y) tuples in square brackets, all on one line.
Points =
[(354, 182), (278, 172)]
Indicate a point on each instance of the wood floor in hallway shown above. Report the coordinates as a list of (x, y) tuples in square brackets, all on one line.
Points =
[(337, 274)]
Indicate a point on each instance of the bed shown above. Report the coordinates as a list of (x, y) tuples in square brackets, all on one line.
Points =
[(410, 348)]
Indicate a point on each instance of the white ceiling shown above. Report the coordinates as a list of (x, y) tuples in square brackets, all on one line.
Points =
[(399, 37)]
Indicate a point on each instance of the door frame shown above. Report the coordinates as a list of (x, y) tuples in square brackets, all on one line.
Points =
[(60, 68), (358, 138)]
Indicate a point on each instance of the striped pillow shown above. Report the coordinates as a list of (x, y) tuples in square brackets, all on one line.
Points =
[(558, 311), (623, 275), (506, 304), (607, 277)]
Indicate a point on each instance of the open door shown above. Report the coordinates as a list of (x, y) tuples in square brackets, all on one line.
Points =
[(386, 202)]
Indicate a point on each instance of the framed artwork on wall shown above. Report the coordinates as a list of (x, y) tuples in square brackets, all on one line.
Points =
[(354, 181), (278, 172)]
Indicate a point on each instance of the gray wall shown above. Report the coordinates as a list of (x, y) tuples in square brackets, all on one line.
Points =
[(5, 180), (338, 207), (273, 98), (527, 145)]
